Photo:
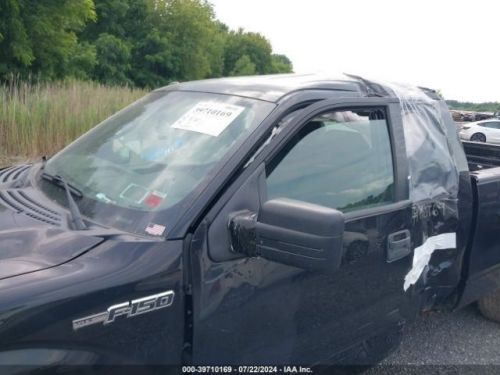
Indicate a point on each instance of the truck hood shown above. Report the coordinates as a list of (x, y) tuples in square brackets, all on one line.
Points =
[(32, 231), (27, 245)]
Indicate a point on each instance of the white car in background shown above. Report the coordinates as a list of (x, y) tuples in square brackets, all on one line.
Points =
[(481, 131)]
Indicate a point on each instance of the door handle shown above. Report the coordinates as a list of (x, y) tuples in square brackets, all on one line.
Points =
[(398, 245)]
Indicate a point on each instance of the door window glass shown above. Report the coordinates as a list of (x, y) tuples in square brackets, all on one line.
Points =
[(341, 160)]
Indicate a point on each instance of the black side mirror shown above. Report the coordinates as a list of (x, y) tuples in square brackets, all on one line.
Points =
[(291, 232)]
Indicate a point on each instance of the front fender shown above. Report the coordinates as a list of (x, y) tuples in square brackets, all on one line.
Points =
[(42, 307)]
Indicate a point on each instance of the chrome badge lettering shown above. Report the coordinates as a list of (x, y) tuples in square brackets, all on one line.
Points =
[(127, 309)]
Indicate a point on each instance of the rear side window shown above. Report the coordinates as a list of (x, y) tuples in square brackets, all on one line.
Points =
[(341, 160), (492, 125)]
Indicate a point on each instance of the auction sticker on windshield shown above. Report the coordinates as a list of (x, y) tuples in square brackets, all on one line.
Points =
[(210, 118)]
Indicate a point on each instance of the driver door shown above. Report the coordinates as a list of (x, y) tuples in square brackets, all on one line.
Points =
[(256, 311)]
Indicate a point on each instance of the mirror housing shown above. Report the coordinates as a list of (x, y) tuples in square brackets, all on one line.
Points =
[(291, 232)]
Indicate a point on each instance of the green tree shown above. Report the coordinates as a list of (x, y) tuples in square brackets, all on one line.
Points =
[(254, 45), (167, 39), (15, 45), (153, 62), (112, 16), (281, 64), (113, 60), (147, 43), (193, 34), (478, 107), (243, 67), (41, 36), (82, 62), (216, 48)]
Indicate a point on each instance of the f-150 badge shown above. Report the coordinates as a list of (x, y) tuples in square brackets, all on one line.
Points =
[(128, 309)]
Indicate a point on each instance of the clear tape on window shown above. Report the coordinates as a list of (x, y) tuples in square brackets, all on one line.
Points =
[(431, 144)]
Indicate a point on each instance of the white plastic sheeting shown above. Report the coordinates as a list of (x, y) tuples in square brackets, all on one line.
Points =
[(433, 170)]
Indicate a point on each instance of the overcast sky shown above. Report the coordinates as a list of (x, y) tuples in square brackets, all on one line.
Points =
[(453, 46)]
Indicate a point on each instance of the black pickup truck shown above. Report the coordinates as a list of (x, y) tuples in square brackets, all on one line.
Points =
[(269, 221)]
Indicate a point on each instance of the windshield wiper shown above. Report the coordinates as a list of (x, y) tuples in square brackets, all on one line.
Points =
[(76, 216)]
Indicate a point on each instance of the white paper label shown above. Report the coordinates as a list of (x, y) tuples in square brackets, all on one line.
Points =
[(210, 118)]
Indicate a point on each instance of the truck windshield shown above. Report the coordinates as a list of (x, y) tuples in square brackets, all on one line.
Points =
[(137, 169)]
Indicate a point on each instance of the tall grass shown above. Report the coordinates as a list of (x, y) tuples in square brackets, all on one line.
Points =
[(41, 118)]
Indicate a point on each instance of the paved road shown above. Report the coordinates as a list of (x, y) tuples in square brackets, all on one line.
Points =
[(456, 342)]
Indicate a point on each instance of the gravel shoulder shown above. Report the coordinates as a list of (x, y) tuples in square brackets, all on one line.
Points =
[(462, 337), (462, 342)]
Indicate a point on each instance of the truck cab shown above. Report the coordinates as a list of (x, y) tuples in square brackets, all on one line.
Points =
[(292, 219)]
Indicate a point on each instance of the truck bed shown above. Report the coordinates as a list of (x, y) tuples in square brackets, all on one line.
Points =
[(482, 155), (483, 266)]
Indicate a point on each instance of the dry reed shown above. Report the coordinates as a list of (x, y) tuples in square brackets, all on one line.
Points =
[(41, 118)]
